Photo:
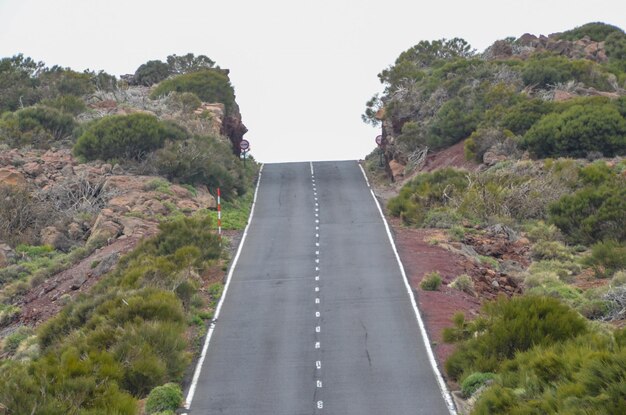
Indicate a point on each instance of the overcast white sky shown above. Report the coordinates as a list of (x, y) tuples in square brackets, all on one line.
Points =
[(302, 70)]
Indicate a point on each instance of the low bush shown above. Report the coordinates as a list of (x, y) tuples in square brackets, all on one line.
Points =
[(129, 137), (426, 191), (546, 250), (509, 327), (22, 215), (69, 104), (164, 398), (202, 160), (593, 126), (210, 85), (474, 381), (592, 214), (607, 257), (431, 281), (463, 283), (38, 126)]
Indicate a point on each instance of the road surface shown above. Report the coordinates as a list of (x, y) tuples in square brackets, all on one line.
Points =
[(317, 319)]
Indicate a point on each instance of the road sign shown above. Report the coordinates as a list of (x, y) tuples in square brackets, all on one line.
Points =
[(379, 140), (244, 145)]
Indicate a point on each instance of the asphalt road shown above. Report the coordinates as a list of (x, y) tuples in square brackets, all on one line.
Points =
[(317, 319)]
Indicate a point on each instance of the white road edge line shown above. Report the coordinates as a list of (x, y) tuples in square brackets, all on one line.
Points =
[(429, 351), (196, 374)]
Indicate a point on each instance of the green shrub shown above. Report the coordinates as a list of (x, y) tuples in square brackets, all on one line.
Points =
[(592, 213), (463, 283), (210, 85), (204, 161), (474, 381), (521, 117), (36, 126), (607, 257), (163, 398), (426, 191), (151, 72), (577, 131), (129, 137), (69, 104), (550, 250), (442, 218), (512, 326), (431, 281), (188, 101), (541, 231), (596, 31), (619, 279)]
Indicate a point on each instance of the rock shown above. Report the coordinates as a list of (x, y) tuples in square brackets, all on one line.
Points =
[(187, 205), (75, 231), (6, 255), (106, 264), (41, 180), (67, 171), (11, 177), (55, 238), (495, 284), (180, 191), (153, 207), (560, 96), (397, 169), (106, 169), (528, 39), (491, 158), (136, 227), (205, 199), (33, 168), (78, 282), (117, 170), (105, 227)]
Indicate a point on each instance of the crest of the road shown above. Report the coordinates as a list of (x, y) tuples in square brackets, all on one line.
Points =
[(317, 316)]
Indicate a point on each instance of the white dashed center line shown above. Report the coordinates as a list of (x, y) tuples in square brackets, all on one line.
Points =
[(319, 404)]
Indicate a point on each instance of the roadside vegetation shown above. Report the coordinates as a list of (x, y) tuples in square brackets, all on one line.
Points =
[(131, 337), (545, 133)]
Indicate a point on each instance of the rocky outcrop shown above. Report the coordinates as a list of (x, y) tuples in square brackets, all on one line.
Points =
[(528, 44)]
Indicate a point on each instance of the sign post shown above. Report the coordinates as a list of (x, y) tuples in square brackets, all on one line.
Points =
[(244, 146), (380, 141)]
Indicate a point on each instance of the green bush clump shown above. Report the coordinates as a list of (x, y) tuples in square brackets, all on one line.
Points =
[(523, 115), (164, 398), (426, 191), (543, 250), (202, 160), (210, 85), (69, 104), (607, 257), (596, 31), (594, 126), (431, 281), (38, 126), (593, 213), (474, 381), (509, 327), (581, 375), (463, 283), (151, 72), (129, 137)]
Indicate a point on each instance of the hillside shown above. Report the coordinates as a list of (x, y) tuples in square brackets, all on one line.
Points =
[(505, 181), (110, 262)]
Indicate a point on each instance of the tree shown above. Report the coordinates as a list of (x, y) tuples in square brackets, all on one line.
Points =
[(188, 63), (151, 72)]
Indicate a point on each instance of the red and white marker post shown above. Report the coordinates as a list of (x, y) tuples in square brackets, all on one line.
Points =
[(219, 214)]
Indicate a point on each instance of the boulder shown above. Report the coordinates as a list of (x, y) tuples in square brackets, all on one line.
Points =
[(491, 157), (152, 207), (117, 170), (106, 264), (180, 191), (106, 169), (75, 231), (186, 205), (67, 171), (105, 227), (11, 177), (33, 168), (6, 255), (205, 199), (397, 169), (55, 238)]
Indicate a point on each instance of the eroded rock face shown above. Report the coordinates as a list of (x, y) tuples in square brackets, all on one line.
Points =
[(11, 177)]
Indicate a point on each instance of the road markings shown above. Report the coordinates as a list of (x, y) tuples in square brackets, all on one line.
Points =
[(318, 314), (429, 351), (318, 345), (318, 364), (198, 369)]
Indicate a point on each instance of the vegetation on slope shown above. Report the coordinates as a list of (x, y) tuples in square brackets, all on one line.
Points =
[(549, 128)]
